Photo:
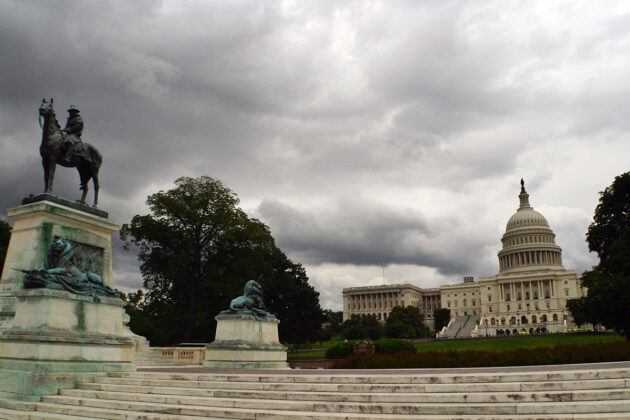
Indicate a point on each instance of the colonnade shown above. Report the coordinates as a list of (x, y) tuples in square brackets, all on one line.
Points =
[(430, 302), (525, 258), (377, 300), (527, 290)]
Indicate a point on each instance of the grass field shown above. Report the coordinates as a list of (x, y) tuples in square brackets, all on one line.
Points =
[(496, 344)]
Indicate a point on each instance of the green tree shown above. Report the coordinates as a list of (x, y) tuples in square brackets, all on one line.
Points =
[(608, 285), (333, 317), (405, 322), (197, 249), (5, 235), (442, 316), (332, 324), (362, 326)]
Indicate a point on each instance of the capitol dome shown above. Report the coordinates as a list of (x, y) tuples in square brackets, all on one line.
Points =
[(528, 242)]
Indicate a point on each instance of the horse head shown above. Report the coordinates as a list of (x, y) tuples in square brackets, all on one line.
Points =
[(46, 110)]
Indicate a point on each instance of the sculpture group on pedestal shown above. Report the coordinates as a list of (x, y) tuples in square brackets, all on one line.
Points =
[(60, 272), (250, 303), (246, 335), (62, 322)]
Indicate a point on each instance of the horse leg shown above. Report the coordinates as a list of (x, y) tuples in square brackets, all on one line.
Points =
[(46, 166), (84, 185), (96, 186), (51, 175)]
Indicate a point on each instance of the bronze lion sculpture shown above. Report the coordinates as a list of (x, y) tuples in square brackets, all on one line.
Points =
[(250, 303)]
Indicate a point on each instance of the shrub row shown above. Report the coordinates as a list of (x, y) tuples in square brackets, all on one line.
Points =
[(384, 346), (559, 354)]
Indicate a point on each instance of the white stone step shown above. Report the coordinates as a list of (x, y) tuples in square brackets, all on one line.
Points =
[(226, 407), (206, 397), (45, 411), (377, 378), (90, 412), (7, 414), (368, 388)]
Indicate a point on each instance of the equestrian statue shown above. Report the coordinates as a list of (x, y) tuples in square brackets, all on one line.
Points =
[(65, 148)]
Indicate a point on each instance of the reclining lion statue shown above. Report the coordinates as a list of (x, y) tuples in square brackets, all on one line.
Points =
[(250, 303)]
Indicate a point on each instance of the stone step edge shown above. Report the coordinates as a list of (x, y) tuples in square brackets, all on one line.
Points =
[(45, 409), (77, 401), (19, 405), (379, 378), (214, 384), (332, 416), (437, 395)]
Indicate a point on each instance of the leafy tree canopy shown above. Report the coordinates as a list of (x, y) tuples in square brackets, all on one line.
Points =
[(608, 234), (362, 326), (5, 235), (608, 297), (405, 322), (332, 324), (442, 316), (197, 249)]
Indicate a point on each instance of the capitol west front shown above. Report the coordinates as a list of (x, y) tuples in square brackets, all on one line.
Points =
[(530, 290)]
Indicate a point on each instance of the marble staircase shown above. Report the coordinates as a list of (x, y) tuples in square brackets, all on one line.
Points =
[(404, 394)]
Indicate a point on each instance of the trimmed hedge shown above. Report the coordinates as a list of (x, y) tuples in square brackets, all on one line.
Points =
[(559, 354), (393, 345), (340, 350), (384, 346)]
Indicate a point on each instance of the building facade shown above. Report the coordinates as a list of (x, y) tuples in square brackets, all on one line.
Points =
[(530, 290), (379, 300), (532, 287)]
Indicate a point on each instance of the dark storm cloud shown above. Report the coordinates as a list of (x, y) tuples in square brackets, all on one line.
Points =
[(428, 112), (361, 232)]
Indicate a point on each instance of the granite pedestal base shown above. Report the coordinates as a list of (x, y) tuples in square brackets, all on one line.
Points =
[(242, 341), (57, 339)]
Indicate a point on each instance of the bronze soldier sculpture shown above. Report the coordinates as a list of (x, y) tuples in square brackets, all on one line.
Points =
[(71, 134), (65, 148), (60, 272)]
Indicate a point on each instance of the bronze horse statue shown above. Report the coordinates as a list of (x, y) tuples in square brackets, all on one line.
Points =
[(86, 158)]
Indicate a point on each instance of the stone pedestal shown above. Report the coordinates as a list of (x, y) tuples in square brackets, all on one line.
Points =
[(58, 338), (242, 341), (36, 224)]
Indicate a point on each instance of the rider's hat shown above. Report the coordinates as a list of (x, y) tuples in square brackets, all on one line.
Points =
[(73, 108)]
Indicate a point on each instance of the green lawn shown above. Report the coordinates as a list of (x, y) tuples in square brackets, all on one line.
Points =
[(496, 344), (509, 343)]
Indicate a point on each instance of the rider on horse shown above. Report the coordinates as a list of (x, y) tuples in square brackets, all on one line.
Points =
[(71, 134)]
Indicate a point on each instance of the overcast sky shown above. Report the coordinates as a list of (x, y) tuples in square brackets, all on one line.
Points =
[(371, 136)]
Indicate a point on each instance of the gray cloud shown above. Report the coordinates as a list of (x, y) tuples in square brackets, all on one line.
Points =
[(362, 232), (364, 133)]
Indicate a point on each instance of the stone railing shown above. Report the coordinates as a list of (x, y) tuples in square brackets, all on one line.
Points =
[(192, 355)]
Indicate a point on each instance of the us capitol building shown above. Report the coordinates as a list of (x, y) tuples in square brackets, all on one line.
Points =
[(530, 290)]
